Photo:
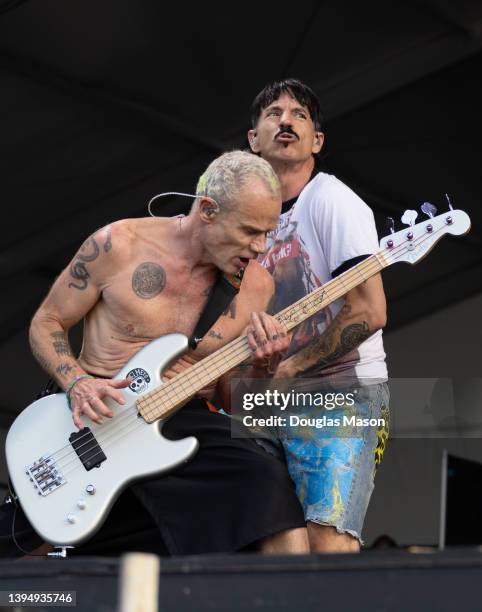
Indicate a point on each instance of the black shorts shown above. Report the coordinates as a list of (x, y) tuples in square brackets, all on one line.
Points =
[(231, 494)]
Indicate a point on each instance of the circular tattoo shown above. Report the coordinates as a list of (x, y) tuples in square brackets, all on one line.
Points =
[(148, 280)]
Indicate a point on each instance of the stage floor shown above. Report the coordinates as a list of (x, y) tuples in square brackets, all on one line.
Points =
[(372, 581)]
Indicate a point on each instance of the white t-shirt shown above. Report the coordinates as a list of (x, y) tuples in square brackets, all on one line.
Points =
[(327, 226)]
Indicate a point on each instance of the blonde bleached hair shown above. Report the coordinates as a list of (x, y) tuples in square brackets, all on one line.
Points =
[(226, 176)]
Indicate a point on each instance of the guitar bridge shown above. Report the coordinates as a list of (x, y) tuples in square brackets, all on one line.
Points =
[(45, 475)]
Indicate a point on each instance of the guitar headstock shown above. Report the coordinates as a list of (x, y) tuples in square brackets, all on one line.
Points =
[(415, 241)]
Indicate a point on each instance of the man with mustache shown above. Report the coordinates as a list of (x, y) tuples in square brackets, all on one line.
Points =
[(324, 229)]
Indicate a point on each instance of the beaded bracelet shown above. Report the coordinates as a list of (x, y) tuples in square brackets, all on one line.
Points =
[(72, 385)]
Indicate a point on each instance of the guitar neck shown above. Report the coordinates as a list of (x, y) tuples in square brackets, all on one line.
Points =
[(170, 397)]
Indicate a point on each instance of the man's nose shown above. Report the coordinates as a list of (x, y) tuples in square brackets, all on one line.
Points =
[(259, 244), (286, 119)]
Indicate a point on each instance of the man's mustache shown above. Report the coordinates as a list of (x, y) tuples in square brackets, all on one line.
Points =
[(287, 130)]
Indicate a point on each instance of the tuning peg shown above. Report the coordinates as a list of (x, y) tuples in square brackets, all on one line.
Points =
[(409, 217), (390, 224), (448, 201), (429, 209)]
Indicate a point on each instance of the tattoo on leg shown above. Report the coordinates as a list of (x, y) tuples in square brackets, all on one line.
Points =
[(148, 280), (61, 344), (108, 241), (64, 369)]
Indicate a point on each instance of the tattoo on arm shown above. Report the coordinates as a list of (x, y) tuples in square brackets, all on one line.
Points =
[(79, 272), (350, 337), (88, 252), (338, 340), (214, 334), (231, 310), (41, 360), (148, 280), (64, 369), (271, 305), (61, 343)]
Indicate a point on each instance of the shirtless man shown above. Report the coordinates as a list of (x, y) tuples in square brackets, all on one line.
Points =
[(138, 279)]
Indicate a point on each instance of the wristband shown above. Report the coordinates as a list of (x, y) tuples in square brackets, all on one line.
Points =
[(72, 385)]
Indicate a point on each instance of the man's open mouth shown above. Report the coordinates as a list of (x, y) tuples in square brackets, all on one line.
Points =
[(286, 137)]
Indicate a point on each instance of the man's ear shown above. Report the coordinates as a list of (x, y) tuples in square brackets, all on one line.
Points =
[(318, 141), (208, 209), (253, 141)]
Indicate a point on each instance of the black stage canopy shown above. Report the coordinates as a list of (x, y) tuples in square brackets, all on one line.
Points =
[(104, 104)]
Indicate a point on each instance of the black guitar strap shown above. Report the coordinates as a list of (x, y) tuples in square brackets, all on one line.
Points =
[(222, 294)]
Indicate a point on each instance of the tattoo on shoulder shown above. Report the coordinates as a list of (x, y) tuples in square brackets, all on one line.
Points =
[(88, 252), (61, 343), (108, 241), (148, 280)]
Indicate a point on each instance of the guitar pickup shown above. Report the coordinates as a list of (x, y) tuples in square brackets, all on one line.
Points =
[(87, 448)]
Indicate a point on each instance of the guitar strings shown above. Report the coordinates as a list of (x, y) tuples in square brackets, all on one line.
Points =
[(126, 414)]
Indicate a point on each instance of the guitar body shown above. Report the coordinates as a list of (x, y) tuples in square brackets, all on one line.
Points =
[(64, 496)]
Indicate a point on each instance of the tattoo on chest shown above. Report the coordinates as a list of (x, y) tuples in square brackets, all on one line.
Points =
[(88, 252), (61, 344), (148, 280)]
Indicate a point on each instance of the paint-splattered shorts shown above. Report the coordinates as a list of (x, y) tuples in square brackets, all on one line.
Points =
[(333, 466)]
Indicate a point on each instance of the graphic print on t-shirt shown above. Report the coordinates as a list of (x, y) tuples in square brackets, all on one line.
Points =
[(288, 261)]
